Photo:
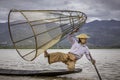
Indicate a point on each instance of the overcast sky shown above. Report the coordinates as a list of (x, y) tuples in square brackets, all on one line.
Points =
[(95, 9)]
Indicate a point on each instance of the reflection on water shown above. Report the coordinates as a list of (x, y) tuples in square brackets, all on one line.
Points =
[(108, 64)]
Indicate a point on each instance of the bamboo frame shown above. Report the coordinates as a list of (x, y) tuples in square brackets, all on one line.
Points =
[(80, 17)]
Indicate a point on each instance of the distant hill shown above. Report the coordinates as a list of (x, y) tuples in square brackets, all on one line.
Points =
[(104, 34), (4, 34)]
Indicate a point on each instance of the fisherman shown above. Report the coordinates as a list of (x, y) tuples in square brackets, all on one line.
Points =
[(76, 52)]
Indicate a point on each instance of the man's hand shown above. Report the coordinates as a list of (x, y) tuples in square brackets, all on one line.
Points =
[(93, 61), (76, 30)]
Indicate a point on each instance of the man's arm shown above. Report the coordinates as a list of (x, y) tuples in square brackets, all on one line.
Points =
[(89, 57), (71, 39), (92, 60), (70, 36)]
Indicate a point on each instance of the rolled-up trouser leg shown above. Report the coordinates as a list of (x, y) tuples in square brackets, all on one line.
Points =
[(57, 57), (71, 65), (69, 60)]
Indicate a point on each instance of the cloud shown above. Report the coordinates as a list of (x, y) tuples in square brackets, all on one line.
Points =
[(111, 4), (95, 9)]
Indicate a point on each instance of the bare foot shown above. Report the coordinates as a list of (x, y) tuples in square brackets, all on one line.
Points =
[(46, 54)]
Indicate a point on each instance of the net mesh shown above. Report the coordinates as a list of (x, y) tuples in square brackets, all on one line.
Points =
[(33, 31)]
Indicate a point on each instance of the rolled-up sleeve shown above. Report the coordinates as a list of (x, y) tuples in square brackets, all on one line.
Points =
[(71, 39)]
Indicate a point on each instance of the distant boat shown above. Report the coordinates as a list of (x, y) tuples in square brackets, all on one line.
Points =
[(39, 30)]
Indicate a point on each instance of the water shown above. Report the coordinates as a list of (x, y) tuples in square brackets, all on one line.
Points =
[(107, 61)]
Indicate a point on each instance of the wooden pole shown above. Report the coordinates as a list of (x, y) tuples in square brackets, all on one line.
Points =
[(96, 69)]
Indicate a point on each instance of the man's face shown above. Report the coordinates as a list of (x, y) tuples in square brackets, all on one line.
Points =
[(83, 40)]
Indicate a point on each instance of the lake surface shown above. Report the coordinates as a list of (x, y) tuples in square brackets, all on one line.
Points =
[(107, 61)]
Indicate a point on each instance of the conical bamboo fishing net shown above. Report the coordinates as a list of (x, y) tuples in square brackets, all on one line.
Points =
[(33, 31)]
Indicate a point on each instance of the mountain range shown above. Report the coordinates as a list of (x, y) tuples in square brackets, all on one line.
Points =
[(104, 34)]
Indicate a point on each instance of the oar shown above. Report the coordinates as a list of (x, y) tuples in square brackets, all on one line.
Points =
[(96, 69)]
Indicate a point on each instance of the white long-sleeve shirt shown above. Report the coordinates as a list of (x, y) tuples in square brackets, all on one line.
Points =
[(78, 49)]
